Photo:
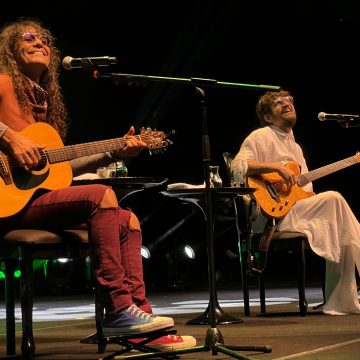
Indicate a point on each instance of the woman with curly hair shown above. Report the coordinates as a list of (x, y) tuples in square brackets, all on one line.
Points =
[(29, 94)]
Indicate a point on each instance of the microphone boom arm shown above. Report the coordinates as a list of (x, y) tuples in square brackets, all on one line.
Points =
[(197, 82)]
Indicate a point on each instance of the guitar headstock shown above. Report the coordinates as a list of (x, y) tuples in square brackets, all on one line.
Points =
[(156, 141), (357, 156)]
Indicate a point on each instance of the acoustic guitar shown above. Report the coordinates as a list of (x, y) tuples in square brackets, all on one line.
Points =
[(54, 171), (275, 199)]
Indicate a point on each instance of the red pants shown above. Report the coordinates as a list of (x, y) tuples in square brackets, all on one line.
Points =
[(116, 248)]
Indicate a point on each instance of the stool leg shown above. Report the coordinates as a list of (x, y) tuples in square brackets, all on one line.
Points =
[(26, 267), (10, 306)]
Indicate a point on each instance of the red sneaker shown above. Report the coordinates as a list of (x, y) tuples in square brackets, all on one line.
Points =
[(170, 342)]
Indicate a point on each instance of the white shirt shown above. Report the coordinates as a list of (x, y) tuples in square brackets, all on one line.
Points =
[(270, 144)]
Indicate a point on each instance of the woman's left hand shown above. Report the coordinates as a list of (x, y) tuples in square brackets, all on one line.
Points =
[(134, 145)]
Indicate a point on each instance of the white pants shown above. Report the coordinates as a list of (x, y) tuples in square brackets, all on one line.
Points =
[(333, 233)]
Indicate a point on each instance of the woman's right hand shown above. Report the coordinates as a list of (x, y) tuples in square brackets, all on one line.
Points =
[(24, 150)]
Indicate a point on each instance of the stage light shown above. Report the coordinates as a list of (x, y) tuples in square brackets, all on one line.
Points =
[(17, 272), (189, 251), (145, 252), (63, 260)]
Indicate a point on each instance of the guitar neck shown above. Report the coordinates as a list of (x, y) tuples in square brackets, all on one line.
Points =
[(326, 170), (71, 152)]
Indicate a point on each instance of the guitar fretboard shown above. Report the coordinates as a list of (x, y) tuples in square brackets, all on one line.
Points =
[(70, 152), (326, 170)]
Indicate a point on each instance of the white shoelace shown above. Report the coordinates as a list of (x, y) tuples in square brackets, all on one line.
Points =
[(134, 310), (173, 337)]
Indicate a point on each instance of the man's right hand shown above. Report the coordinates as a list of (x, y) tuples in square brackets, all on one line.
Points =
[(24, 150), (287, 174)]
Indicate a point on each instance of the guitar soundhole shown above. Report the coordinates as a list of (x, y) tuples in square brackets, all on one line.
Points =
[(39, 166)]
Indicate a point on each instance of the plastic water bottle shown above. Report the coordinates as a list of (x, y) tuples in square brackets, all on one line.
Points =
[(121, 169)]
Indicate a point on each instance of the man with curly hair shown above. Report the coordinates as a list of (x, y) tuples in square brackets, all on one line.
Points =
[(330, 225)]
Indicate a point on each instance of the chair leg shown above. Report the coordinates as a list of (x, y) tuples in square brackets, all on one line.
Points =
[(10, 265), (323, 275), (26, 295), (99, 316), (301, 279), (262, 293), (245, 285), (243, 260), (244, 275)]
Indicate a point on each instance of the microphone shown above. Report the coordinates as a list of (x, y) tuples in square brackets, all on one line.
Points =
[(322, 116), (87, 63)]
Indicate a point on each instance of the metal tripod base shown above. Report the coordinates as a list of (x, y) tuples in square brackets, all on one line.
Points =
[(214, 342), (220, 317)]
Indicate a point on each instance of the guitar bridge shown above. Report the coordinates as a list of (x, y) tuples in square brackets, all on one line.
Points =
[(4, 172)]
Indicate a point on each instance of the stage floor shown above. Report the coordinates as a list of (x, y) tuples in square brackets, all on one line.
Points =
[(61, 321)]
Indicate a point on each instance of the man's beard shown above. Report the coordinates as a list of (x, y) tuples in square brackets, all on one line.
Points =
[(289, 121)]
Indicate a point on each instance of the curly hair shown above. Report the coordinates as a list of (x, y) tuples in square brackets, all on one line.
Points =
[(9, 44), (265, 102)]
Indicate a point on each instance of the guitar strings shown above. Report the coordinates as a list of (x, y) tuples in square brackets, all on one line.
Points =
[(61, 153)]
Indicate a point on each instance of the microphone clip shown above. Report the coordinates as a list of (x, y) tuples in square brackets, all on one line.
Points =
[(350, 123), (87, 64)]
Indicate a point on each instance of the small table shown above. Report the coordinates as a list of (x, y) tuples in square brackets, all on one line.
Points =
[(220, 197), (125, 186)]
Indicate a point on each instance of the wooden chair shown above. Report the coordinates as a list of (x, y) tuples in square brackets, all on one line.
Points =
[(22, 246), (254, 248)]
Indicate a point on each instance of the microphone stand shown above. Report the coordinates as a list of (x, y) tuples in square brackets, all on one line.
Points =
[(214, 341), (352, 122)]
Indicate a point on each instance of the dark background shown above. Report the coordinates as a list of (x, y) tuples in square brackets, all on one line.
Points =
[(307, 47)]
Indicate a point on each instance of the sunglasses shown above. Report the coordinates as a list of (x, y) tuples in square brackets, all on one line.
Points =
[(283, 100), (31, 37)]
